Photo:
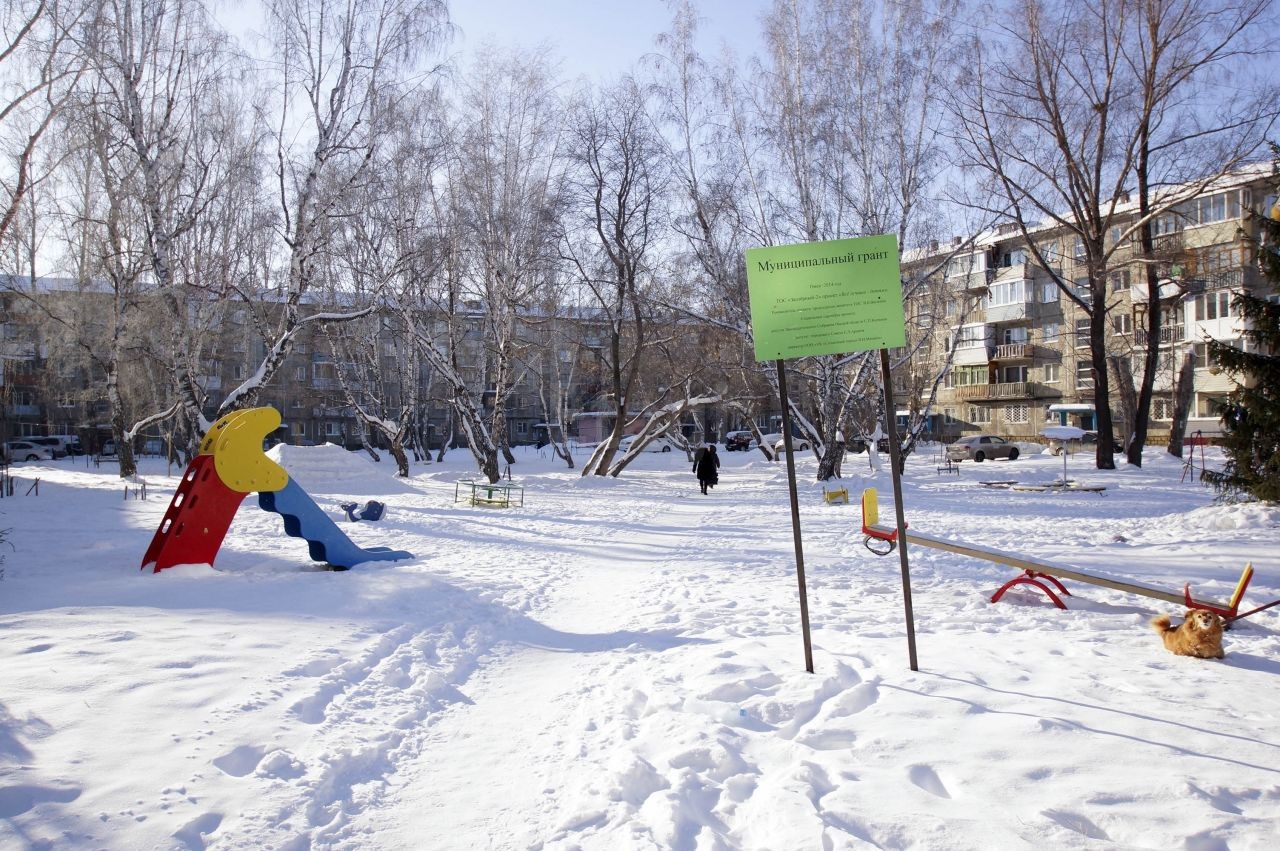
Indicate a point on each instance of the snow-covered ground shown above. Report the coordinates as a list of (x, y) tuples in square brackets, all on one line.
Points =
[(618, 665)]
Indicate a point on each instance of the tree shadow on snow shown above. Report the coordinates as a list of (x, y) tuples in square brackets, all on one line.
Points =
[(1172, 745), (534, 634)]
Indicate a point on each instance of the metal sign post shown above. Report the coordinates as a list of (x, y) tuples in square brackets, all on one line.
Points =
[(795, 517), (895, 453), (825, 298)]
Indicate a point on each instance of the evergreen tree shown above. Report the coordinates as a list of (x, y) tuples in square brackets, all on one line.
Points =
[(1251, 415)]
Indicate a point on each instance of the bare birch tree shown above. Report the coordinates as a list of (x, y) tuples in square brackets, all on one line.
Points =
[(341, 72), (615, 221), (1188, 137), (511, 193)]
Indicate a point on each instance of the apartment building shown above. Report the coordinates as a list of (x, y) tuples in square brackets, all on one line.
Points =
[(1013, 350)]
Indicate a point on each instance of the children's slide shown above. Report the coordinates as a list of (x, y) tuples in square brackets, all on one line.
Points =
[(230, 465), (325, 541)]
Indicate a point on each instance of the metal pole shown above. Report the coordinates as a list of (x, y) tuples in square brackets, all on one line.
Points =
[(895, 453), (795, 516)]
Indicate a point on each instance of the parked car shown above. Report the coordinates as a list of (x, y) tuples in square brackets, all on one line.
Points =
[(861, 444), (737, 441), (55, 447), (70, 442), (980, 447), (25, 450), (775, 439), (658, 444), (109, 448), (1089, 441)]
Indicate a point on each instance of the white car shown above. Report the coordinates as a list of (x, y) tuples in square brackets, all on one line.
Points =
[(775, 440), (25, 450), (658, 444)]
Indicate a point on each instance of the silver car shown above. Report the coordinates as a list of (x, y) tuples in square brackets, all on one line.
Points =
[(980, 447)]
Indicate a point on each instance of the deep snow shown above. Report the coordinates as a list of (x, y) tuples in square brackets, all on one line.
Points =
[(618, 665)]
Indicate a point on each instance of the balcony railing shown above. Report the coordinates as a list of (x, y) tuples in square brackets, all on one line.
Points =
[(1168, 243), (1168, 334), (973, 281), (1005, 390), (1015, 351)]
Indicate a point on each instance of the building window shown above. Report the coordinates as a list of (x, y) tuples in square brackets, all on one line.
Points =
[(979, 415), (1084, 375), (1084, 291), (1049, 293), (299, 373), (1213, 306), (1078, 251), (1013, 257), (1009, 292), (1215, 260), (1161, 408), (332, 429), (522, 427), (1210, 406), (1119, 280), (1014, 334), (948, 416), (1013, 374), (1083, 329), (1052, 373), (1122, 323), (971, 337), (966, 264), (1017, 414), (238, 371)]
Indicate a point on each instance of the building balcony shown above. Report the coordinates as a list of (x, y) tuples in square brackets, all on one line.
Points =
[(1168, 335), (974, 282), (1011, 312), (1016, 272), (1168, 244), (24, 410), (1008, 390), (1015, 352), (972, 355)]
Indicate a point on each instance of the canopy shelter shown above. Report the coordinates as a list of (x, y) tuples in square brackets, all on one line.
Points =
[(1063, 433)]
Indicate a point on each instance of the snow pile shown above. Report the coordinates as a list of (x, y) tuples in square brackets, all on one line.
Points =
[(330, 469)]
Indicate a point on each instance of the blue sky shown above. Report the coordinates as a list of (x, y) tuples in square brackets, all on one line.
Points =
[(602, 38)]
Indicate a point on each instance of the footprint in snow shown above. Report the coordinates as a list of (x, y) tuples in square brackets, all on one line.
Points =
[(927, 779), (241, 761), (193, 833), (1076, 823)]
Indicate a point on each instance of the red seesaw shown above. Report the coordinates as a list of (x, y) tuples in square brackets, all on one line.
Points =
[(1042, 574)]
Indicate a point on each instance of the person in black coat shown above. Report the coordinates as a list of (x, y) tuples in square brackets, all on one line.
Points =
[(706, 467)]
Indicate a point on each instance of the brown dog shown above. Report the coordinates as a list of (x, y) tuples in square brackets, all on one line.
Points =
[(1199, 635)]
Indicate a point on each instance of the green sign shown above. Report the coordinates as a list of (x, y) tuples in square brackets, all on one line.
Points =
[(826, 298)]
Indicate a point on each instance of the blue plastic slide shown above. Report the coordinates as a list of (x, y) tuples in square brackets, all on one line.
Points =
[(325, 541)]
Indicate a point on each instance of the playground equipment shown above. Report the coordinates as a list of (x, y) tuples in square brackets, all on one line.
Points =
[(836, 495), (373, 510), (230, 465), (1042, 574)]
